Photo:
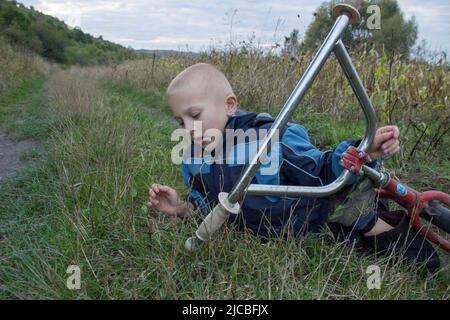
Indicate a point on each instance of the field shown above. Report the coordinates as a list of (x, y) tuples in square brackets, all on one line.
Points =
[(105, 138)]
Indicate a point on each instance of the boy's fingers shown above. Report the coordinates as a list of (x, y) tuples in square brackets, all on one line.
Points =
[(385, 136), (164, 188), (390, 147), (159, 188), (393, 149), (153, 188), (389, 144), (396, 132), (154, 201), (152, 194), (390, 129)]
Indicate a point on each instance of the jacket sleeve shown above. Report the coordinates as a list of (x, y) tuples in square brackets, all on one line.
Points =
[(196, 194), (305, 165)]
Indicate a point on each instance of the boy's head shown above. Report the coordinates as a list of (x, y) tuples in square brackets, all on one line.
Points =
[(201, 93)]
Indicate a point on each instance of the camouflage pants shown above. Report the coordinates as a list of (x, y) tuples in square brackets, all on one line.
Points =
[(355, 206)]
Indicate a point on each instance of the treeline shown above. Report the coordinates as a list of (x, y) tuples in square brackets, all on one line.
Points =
[(395, 34), (54, 40)]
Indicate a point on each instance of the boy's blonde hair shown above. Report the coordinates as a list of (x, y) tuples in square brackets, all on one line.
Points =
[(203, 79)]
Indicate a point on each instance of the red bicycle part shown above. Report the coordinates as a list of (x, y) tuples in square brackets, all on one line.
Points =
[(353, 159), (415, 202)]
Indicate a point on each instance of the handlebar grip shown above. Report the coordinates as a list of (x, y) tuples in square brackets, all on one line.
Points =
[(213, 221), (350, 7)]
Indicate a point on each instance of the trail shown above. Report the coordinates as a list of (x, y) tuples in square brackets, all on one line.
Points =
[(11, 151), (17, 152)]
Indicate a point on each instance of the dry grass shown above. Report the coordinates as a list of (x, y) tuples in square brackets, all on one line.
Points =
[(76, 93), (16, 64), (86, 206), (147, 73), (263, 82), (411, 94)]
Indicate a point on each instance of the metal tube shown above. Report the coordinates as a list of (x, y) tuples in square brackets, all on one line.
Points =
[(380, 179), (371, 123), (229, 202), (361, 94), (296, 96), (295, 191)]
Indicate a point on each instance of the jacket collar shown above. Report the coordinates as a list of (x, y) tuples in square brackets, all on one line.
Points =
[(241, 120)]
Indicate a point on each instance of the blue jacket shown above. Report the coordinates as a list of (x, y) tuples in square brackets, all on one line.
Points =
[(298, 162)]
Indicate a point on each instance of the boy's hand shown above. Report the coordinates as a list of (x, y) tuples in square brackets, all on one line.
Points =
[(165, 199), (385, 143)]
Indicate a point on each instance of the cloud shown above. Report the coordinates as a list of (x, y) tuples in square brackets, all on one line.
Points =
[(433, 18), (171, 24), (199, 22)]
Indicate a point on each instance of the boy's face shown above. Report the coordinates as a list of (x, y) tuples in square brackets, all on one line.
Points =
[(197, 114)]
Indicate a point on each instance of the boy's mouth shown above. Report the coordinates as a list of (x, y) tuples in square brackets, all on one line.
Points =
[(206, 141)]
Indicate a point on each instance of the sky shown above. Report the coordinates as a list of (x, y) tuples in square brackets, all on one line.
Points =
[(198, 25)]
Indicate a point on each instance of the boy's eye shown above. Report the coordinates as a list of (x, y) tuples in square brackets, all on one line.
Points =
[(196, 116)]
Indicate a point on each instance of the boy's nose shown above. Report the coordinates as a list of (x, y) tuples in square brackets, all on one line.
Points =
[(189, 127), (193, 128)]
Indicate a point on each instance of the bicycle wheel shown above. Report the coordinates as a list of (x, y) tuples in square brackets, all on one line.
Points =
[(437, 214)]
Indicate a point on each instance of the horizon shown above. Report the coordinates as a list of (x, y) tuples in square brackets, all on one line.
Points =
[(216, 25)]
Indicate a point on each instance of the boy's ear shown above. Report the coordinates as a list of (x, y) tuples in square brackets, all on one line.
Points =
[(231, 104)]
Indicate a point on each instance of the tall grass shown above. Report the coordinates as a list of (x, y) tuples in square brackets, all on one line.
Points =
[(412, 94), (85, 205), (263, 82), (17, 64), (75, 94)]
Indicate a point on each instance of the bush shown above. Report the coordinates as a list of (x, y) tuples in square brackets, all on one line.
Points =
[(54, 40)]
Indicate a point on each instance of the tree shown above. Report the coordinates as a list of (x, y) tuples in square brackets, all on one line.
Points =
[(53, 42), (291, 43), (10, 15), (51, 38), (396, 35)]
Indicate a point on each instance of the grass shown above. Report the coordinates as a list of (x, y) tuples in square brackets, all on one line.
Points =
[(83, 204), (12, 103)]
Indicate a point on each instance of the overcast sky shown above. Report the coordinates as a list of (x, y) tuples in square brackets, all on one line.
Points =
[(197, 25)]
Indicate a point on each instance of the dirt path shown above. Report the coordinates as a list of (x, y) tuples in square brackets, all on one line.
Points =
[(11, 152), (158, 112)]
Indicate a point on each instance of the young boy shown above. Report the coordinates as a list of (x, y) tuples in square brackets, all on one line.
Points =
[(202, 94)]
